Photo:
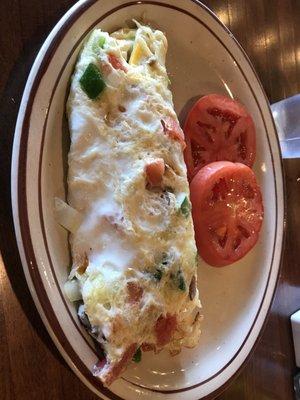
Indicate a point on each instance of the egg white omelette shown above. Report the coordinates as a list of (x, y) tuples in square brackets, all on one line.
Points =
[(133, 249)]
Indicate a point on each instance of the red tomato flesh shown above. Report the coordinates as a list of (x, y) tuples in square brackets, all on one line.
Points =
[(116, 62), (218, 128), (165, 328), (154, 171), (135, 292), (173, 130), (227, 211)]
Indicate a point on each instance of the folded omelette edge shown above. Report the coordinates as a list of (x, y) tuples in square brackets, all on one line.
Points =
[(134, 256)]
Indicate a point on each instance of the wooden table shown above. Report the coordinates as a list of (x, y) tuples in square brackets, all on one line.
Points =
[(30, 366)]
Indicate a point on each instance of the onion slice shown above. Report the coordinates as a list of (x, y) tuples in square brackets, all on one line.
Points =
[(72, 290), (67, 216)]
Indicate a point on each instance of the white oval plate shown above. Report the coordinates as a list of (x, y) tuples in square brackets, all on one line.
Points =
[(203, 58)]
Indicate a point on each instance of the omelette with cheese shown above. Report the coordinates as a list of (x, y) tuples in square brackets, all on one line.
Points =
[(134, 258)]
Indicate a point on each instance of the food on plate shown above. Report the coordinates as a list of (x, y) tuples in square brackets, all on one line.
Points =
[(220, 148), (132, 242), (218, 128), (227, 211)]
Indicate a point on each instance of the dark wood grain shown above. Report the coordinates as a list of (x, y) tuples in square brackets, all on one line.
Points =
[(30, 366)]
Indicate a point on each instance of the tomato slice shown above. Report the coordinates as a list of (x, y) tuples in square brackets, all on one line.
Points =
[(227, 211), (217, 129)]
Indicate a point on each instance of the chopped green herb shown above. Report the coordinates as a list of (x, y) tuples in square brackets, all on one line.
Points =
[(131, 35), (161, 267), (157, 274), (92, 82), (101, 42), (181, 282), (165, 259), (138, 356), (129, 53), (98, 44), (185, 207)]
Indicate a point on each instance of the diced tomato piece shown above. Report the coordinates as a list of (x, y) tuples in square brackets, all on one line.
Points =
[(164, 329), (148, 346), (154, 171), (98, 367), (135, 292), (116, 62), (173, 130), (110, 372)]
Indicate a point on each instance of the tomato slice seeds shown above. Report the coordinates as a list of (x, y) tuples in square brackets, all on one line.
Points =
[(218, 129), (227, 211)]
